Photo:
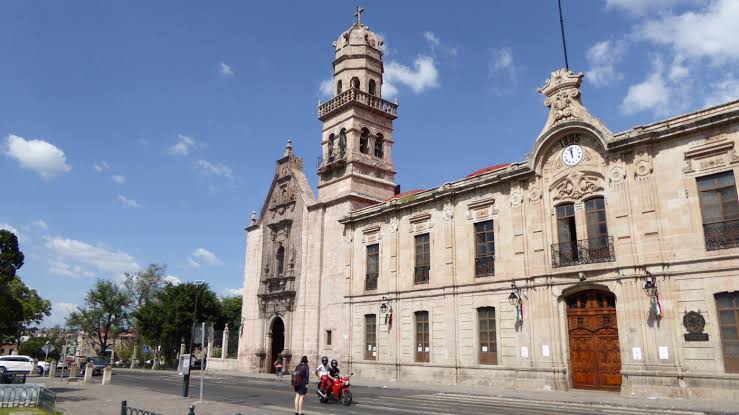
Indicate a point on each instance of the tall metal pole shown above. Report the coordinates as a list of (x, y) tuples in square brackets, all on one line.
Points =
[(186, 380), (562, 28), (202, 360)]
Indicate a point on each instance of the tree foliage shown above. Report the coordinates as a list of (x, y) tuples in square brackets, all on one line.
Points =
[(231, 312), (144, 285), (170, 317), (33, 307), (11, 258), (34, 347), (104, 315)]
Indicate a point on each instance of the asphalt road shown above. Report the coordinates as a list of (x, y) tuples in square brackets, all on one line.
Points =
[(271, 395)]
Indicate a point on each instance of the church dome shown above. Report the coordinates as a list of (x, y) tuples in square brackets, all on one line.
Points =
[(359, 35)]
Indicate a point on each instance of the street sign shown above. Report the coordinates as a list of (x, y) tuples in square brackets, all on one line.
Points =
[(48, 348), (146, 348)]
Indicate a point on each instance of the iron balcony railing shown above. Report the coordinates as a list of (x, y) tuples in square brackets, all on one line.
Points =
[(584, 251), (421, 274), (485, 266), (355, 95), (721, 235), (331, 160), (370, 283), (276, 286)]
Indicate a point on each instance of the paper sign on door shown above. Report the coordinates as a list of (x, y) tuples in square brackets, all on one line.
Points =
[(636, 353), (663, 353), (545, 350), (524, 351)]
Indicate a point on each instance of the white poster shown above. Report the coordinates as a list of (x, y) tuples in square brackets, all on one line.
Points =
[(524, 351), (636, 353), (545, 350), (484, 348), (663, 353), (420, 349), (427, 349), (369, 347)]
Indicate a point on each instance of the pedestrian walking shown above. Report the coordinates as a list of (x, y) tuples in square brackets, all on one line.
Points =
[(300, 384), (279, 367)]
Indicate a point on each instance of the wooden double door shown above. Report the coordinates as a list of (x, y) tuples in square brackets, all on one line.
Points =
[(595, 355)]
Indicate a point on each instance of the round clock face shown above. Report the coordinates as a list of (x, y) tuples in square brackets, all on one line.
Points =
[(572, 155)]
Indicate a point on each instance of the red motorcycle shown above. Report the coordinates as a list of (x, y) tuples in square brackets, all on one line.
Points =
[(339, 392)]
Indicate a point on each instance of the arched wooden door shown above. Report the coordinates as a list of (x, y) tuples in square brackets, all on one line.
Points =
[(595, 356)]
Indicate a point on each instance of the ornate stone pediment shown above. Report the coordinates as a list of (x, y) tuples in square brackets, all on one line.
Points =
[(576, 186)]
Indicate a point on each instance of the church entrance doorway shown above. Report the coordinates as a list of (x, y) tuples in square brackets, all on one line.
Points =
[(278, 342), (595, 356)]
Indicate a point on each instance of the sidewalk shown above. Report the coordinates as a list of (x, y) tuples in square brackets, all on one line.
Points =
[(572, 396)]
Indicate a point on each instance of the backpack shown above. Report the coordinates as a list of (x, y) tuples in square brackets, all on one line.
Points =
[(298, 376)]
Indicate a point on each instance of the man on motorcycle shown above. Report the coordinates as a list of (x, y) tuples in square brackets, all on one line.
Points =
[(333, 375), (322, 372)]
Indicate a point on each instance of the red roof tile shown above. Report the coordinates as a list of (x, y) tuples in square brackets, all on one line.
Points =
[(404, 194), (488, 169)]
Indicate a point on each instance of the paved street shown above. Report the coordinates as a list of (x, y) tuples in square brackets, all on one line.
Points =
[(267, 396)]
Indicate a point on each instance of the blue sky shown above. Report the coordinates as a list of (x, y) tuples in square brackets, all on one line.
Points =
[(139, 132)]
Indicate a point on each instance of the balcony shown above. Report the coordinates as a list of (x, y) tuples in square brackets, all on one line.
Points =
[(421, 274), (331, 161), (485, 266), (280, 286), (721, 235), (355, 95), (584, 251), (370, 283)]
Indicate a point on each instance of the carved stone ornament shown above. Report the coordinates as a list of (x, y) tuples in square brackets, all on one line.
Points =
[(694, 323), (448, 214), (576, 186), (516, 198), (616, 175), (643, 165), (393, 227)]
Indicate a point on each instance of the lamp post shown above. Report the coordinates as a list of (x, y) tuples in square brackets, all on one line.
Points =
[(650, 286), (186, 378), (514, 298)]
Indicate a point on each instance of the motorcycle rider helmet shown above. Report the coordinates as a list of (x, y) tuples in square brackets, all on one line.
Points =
[(324, 360), (334, 363)]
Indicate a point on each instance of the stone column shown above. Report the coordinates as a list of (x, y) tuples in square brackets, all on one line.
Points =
[(155, 362), (211, 339), (52, 370), (73, 369), (134, 357), (89, 368), (34, 365), (107, 373), (224, 342)]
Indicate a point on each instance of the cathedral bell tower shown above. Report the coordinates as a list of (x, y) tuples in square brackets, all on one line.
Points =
[(357, 137)]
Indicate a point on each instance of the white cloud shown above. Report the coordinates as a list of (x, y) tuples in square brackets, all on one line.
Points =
[(99, 167), (128, 202), (183, 146), (231, 292), (326, 88), (217, 169), (207, 257), (59, 313), (58, 267), (192, 264), (225, 69), (41, 224), (38, 155), (7, 227), (710, 32), (172, 280), (433, 40), (723, 91), (424, 75), (73, 253), (652, 94), (602, 58), (119, 179), (501, 60), (640, 7)]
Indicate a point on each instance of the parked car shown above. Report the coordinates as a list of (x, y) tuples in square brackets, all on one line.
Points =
[(99, 364), (42, 367), (65, 363), (16, 363)]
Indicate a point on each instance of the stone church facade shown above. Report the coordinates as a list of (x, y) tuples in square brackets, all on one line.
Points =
[(602, 261)]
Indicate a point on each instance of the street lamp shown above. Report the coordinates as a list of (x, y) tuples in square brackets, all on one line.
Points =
[(383, 306), (514, 297), (186, 378), (650, 286)]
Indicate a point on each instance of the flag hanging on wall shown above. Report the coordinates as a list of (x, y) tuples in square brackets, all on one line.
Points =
[(656, 306), (519, 311), (389, 319)]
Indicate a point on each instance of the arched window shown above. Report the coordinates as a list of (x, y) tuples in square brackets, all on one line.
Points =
[(379, 143), (331, 140), (338, 87), (280, 260), (364, 141), (372, 87), (342, 143), (355, 82)]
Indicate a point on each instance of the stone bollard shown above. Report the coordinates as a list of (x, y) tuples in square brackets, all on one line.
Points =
[(107, 374), (89, 368), (134, 357), (224, 342), (73, 369), (52, 370), (34, 366)]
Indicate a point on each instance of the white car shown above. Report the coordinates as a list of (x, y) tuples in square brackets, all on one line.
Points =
[(16, 363)]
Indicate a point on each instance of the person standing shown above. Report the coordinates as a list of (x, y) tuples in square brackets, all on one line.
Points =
[(300, 384), (278, 367)]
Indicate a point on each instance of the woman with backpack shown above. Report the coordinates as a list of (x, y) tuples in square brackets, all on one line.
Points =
[(300, 384)]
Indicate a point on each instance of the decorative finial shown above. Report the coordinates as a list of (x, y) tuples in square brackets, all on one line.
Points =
[(358, 15), (289, 148), (253, 218)]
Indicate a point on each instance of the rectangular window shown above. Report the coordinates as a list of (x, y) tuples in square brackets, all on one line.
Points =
[(328, 337), (370, 337), (567, 233), (598, 242), (423, 259), (422, 336), (488, 344), (720, 210), (727, 305), (373, 266), (484, 249)]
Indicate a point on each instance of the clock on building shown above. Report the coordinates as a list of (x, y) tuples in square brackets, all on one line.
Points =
[(572, 155)]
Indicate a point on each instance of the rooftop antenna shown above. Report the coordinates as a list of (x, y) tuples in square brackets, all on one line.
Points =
[(562, 28)]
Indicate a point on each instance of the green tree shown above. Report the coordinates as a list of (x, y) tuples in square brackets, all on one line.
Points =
[(231, 307), (33, 307), (168, 319), (11, 258), (11, 310), (34, 347), (104, 315), (144, 285)]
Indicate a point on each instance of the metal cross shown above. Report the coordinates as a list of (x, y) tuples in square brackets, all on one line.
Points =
[(358, 15)]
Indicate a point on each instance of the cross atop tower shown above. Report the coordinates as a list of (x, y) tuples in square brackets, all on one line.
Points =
[(358, 15)]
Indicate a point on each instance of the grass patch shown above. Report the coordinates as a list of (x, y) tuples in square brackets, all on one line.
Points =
[(24, 411)]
